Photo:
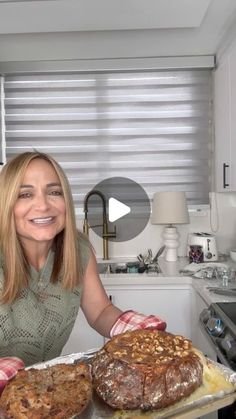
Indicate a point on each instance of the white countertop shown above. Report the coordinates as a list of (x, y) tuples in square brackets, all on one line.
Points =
[(171, 276), (201, 286)]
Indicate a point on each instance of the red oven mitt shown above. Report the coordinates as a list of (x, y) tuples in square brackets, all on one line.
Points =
[(8, 369), (131, 320)]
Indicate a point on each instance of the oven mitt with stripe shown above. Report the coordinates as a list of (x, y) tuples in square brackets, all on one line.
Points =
[(132, 320), (8, 369)]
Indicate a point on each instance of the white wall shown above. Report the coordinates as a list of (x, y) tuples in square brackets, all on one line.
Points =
[(18, 44), (221, 220), (102, 45)]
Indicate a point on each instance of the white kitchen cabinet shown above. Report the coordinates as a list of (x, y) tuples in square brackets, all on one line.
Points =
[(225, 123), (82, 337), (171, 302)]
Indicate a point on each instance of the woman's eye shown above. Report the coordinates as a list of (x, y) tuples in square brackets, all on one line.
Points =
[(23, 195), (56, 193)]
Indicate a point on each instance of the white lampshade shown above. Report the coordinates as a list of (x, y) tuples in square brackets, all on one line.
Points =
[(170, 208)]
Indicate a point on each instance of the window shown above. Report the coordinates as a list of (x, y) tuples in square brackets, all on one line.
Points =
[(154, 127)]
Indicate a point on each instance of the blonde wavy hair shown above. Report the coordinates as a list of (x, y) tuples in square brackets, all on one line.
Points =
[(14, 263)]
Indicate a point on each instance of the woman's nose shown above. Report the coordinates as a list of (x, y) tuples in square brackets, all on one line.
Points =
[(41, 201)]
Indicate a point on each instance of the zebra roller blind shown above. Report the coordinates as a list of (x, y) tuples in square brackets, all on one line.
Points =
[(152, 127)]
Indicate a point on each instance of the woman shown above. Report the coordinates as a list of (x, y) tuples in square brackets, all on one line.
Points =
[(48, 268)]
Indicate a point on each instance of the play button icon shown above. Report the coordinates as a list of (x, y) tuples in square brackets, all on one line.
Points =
[(120, 203), (117, 210)]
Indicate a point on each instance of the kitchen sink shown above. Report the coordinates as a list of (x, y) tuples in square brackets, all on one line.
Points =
[(126, 267), (112, 267), (103, 267)]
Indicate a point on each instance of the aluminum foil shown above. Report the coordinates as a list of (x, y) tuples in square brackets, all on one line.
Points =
[(199, 403)]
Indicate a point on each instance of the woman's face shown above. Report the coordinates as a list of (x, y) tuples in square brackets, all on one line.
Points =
[(40, 208)]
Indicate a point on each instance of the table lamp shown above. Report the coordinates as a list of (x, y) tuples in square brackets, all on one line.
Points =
[(170, 208)]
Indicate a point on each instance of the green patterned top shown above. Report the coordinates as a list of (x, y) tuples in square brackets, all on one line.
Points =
[(37, 325)]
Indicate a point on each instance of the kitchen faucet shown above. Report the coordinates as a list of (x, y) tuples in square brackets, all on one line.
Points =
[(105, 233)]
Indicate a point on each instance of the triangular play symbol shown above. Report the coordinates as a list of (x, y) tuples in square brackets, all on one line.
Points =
[(117, 209)]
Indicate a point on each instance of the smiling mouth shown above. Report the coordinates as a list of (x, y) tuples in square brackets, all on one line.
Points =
[(44, 220)]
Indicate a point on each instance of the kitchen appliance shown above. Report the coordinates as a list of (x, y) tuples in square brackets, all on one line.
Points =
[(208, 243), (218, 323)]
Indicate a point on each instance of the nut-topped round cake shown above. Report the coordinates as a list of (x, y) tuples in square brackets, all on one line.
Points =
[(146, 369)]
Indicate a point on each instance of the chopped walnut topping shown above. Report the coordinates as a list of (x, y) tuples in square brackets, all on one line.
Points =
[(153, 346)]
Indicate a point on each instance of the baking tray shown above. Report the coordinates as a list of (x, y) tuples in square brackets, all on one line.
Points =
[(202, 401)]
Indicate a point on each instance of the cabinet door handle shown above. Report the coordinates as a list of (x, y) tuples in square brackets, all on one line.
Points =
[(225, 166), (110, 298)]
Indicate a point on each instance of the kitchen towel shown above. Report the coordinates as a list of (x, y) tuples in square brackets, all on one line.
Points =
[(8, 369)]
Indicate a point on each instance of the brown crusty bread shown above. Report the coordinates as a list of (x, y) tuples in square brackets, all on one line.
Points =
[(59, 391), (146, 369)]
